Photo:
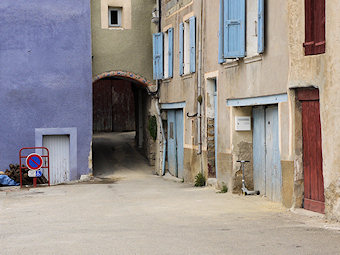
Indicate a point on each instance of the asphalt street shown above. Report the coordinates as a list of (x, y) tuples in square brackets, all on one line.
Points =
[(132, 211)]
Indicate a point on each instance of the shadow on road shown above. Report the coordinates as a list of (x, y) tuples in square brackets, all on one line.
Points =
[(116, 154)]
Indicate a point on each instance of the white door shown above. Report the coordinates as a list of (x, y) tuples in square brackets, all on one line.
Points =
[(59, 149)]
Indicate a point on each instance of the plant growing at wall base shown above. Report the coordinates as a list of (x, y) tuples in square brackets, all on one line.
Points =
[(153, 127), (224, 189), (199, 180)]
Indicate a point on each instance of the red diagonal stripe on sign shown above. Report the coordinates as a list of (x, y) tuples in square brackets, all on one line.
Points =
[(34, 161)]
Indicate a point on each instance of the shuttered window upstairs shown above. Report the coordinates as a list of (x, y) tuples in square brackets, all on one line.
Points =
[(157, 40), (315, 21), (192, 25), (181, 48), (260, 27), (187, 46), (234, 28), (170, 52), (235, 17)]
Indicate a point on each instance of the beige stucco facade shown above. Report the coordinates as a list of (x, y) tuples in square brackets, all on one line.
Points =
[(256, 75), (125, 52), (322, 72), (278, 71), (125, 48)]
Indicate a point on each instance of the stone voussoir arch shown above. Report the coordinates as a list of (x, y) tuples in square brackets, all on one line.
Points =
[(147, 84)]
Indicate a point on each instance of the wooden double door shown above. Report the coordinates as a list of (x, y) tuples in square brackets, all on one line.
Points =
[(314, 198), (175, 142), (266, 152)]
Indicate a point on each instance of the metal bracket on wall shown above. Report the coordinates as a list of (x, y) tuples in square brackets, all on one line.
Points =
[(192, 116)]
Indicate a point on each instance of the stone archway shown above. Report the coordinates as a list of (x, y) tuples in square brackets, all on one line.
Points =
[(147, 84), (118, 98)]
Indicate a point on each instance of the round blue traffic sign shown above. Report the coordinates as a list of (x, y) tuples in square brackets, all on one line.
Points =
[(34, 161)]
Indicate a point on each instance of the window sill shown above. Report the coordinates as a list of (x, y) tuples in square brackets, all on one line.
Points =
[(115, 28), (167, 80), (187, 76), (231, 63), (252, 59)]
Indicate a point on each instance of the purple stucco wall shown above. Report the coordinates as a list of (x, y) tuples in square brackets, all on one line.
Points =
[(45, 74)]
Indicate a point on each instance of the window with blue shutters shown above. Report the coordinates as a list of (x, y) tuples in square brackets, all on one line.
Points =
[(260, 28), (241, 29), (192, 27), (157, 40), (187, 46), (234, 28), (168, 53), (181, 49)]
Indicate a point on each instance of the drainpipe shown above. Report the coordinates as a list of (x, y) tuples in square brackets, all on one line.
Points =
[(199, 82), (159, 3)]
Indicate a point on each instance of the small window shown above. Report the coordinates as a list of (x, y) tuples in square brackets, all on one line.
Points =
[(115, 15)]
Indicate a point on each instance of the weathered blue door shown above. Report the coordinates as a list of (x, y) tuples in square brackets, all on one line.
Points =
[(266, 152), (172, 152), (215, 127), (273, 161), (259, 154), (179, 140), (175, 142)]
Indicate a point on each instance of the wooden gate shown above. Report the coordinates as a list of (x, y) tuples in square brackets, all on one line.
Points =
[(314, 198)]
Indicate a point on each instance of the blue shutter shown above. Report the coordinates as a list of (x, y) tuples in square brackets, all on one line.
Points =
[(157, 56), (171, 49), (192, 26), (234, 28), (221, 34), (260, 27), (181, 46)]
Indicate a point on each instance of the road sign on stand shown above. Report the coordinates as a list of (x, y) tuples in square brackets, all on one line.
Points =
[(34, 161)]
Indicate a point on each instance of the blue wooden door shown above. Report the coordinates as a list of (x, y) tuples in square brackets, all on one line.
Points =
[(215, 128), (179, 142), (266, 152), (273, 161), (259, 153), (172, 152)]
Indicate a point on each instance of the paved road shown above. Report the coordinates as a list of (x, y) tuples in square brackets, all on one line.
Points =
[(145, 214)]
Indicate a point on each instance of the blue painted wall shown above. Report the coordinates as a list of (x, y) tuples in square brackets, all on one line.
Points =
[(45, 73)]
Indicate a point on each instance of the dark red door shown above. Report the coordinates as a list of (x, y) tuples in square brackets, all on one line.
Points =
[(314, 198)]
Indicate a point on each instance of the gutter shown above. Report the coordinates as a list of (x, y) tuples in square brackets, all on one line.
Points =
[(199, 84)]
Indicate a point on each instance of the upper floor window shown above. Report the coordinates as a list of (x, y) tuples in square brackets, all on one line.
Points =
[(168, 53), (235, 34), (315, 36), (187, 46), (115, 15), (163, 54)]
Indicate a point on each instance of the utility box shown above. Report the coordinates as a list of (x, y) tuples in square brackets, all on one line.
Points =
[(243, 123)]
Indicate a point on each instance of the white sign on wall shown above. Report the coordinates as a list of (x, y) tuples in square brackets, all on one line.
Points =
[(243, 123)]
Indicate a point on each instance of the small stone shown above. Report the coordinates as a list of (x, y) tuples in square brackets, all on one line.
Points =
[(85, 178), (212, 182)]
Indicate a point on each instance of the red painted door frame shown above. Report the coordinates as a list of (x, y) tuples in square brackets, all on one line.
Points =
[(314, 198)]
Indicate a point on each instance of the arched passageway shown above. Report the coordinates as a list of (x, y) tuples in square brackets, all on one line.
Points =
[(120, 111)]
